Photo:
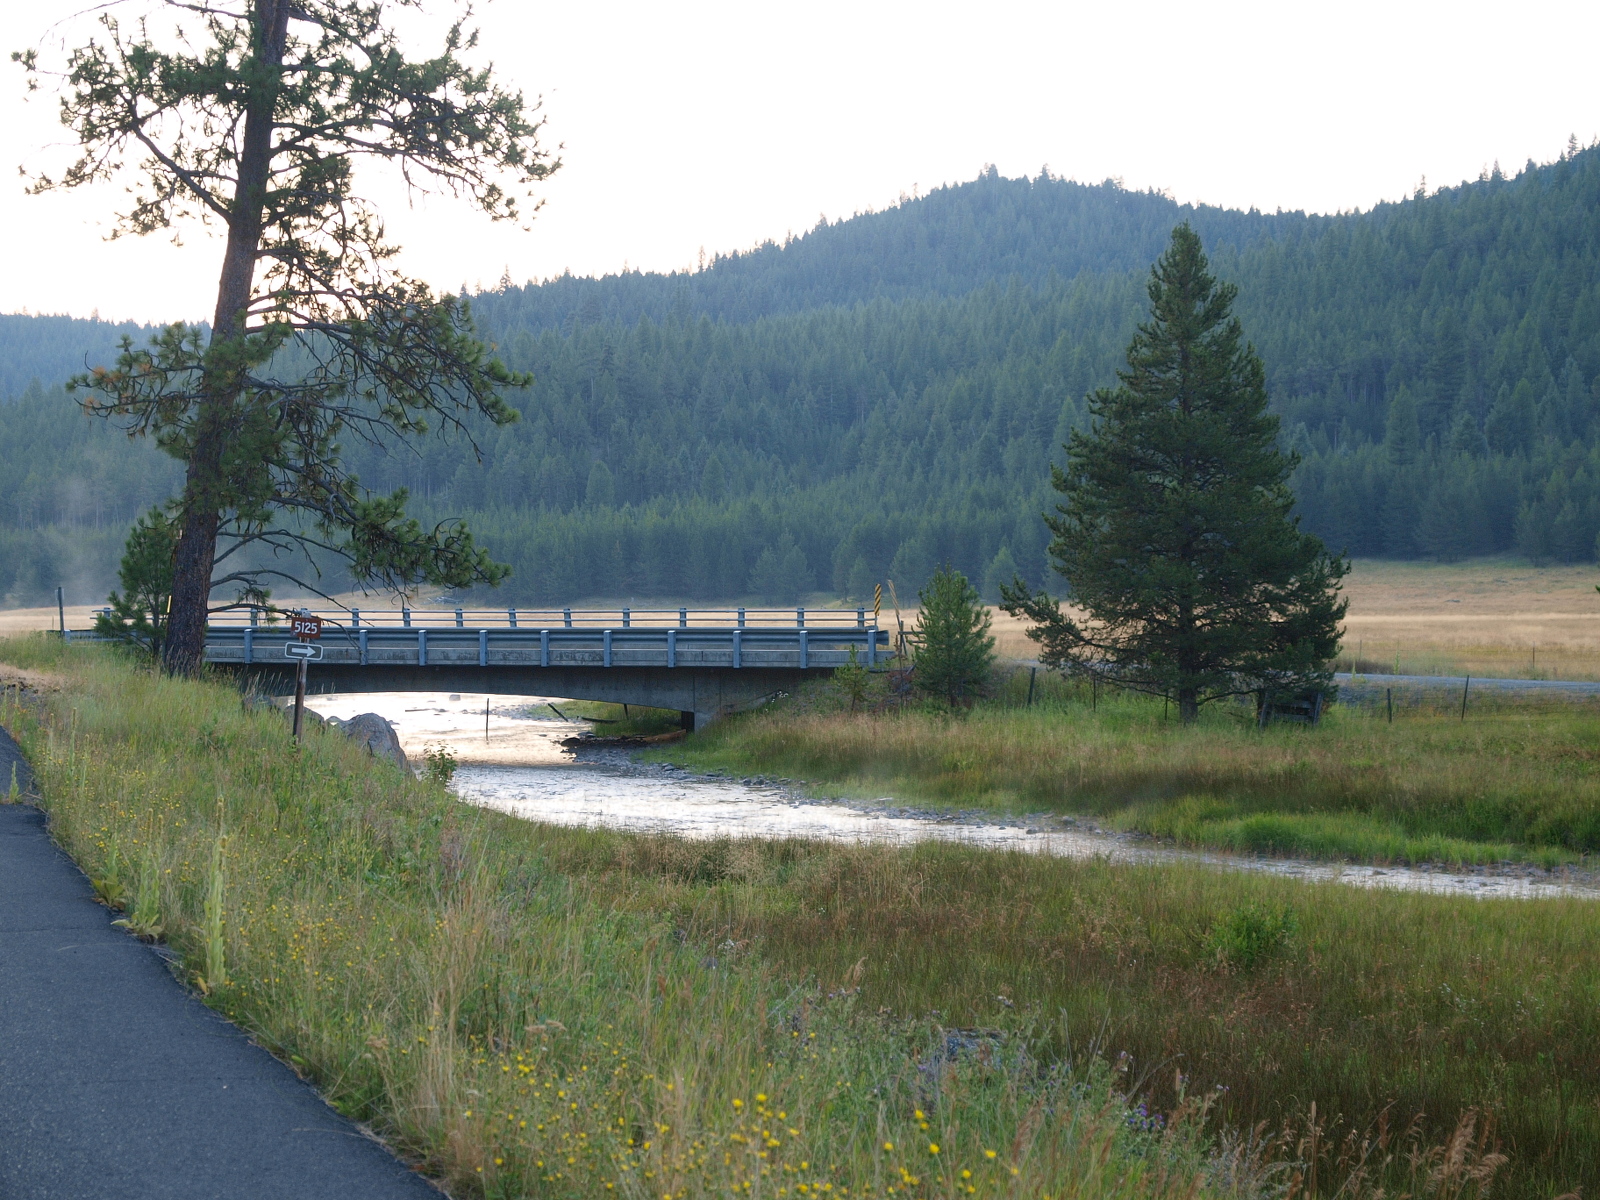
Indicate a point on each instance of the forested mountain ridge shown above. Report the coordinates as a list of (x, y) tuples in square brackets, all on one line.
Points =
[(865, 401), (947, 243)]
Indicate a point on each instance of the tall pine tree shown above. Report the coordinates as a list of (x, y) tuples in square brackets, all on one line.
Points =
[(1188, 576)]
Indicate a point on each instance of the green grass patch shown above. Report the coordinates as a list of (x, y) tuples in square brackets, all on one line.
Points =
[(541, 1011), (1509, 782)]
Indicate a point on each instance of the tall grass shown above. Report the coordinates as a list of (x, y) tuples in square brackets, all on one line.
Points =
[(536, 1011), (523, 1028), (1511, 781)]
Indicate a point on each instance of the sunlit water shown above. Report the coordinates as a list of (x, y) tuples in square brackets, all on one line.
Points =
[(519, 767)]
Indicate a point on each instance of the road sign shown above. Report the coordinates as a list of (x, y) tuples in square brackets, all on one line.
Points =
[(304, 650), (306, 627), (877, 603)]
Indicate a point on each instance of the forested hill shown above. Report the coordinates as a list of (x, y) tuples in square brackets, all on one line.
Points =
[(887, 391), (947, 243)]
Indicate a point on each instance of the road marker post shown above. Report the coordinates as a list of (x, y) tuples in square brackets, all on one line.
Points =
[(307, 629)]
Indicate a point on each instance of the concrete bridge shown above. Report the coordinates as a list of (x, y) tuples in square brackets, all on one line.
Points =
[(702, 663)]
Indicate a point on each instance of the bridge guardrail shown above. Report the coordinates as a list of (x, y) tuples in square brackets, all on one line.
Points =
[(799, 617), (792, 647)]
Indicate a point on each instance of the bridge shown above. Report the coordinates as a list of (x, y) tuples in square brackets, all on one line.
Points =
[(703, 663)]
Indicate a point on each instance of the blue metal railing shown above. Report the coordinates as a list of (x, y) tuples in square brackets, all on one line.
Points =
[(550, 618), (675, 646)]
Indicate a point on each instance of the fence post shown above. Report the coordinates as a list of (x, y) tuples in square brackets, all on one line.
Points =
[(1464, 688), (1033, 673)]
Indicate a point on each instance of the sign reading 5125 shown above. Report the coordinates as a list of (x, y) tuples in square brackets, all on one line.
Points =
[(306, 627)]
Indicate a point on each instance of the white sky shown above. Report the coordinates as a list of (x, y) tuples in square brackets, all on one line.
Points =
[(718, 125)]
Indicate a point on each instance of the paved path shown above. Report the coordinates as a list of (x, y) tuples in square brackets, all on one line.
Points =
[(116, 1084)]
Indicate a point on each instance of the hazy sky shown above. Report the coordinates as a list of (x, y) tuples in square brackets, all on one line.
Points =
[(719, 125)]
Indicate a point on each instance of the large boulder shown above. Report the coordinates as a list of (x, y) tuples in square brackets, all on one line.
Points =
[(377, 736)]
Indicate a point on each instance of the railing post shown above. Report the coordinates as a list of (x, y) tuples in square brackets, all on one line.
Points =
[(627, 617), (459, 622), (255, 615), (250, 644), (672, 647), (422, 647), (511, 617), (805, 650), (800, 618), (566, 617), (355, 618), (606, 641), (363, 647), (405, 617), (741, 618), (544, 647), (738, 647), (683, 618), (861, 617), (483, 647)]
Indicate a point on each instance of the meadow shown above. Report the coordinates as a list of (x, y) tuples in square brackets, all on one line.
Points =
[(539, 1011)]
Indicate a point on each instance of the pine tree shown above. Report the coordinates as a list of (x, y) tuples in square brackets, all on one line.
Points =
[(139, 613), (1175, 537), (955, 652)]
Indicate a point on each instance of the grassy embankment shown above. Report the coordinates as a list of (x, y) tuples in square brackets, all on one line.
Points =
[(1513, 780), (535, 1011)]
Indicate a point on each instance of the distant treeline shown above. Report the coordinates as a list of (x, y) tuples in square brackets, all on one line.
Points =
[(887, 392)]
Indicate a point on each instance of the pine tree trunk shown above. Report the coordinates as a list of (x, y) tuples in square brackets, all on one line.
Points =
[(205, 488), (1188, 704)]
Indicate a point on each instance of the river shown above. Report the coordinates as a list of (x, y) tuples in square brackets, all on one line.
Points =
[(510, 759)]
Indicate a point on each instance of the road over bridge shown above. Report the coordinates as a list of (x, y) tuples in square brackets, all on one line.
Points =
[(702, 663)]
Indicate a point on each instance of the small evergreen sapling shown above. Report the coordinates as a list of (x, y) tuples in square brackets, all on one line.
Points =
[(139, 613), (955, 652), (852, 679)]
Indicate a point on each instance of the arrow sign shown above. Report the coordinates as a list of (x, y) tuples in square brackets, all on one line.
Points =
[(303, 650)]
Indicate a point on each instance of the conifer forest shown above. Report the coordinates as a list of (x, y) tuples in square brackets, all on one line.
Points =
[(885, 393)]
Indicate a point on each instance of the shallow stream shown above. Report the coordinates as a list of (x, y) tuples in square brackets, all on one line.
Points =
[(511, 760)]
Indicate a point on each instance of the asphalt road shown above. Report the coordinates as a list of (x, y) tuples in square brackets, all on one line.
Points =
[(116, 1083)]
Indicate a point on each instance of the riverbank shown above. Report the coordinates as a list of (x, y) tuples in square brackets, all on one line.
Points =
[(446, 972), (1513, 782)]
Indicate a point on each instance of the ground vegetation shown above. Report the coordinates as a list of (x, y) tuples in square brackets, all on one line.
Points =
[(509, 1001)]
